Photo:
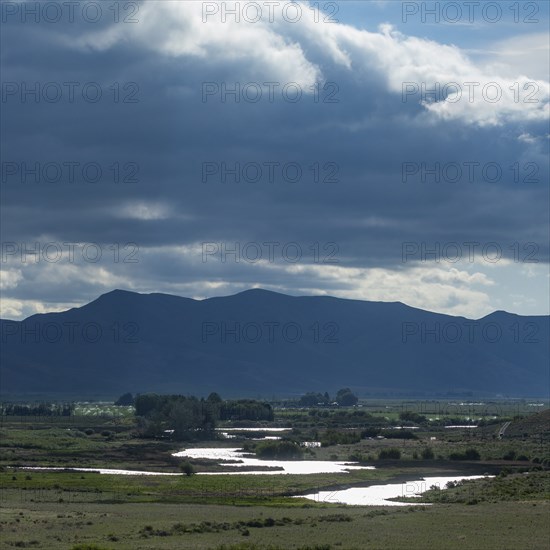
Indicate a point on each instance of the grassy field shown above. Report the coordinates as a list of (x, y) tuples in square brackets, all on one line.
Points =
[(84, 510), (149, 526)]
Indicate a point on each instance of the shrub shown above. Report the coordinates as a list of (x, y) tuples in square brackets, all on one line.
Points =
[(355, 457), (428, 454), (468, 454), (282, 450), (452, 484), (187, 468), (399, 434), (370, 432), (472, 454), (412, 416), (333, 437), (89, 547), (394, 454)]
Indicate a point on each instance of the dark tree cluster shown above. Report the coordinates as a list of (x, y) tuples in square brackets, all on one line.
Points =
[(334, 437), (188, 418), (245, 409), (468, 454), (410, 416), (279, 450), (125, 400), (37, 409), (344, 398), (184, 418), (312, 399)]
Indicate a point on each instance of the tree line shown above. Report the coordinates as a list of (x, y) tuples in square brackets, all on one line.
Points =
[(37, 409), (188, 417), (344, 398)]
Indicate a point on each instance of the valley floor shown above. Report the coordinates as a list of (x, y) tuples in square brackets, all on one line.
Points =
[(65, 510), (146, 526)]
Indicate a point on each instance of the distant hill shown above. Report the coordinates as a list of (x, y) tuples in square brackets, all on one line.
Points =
[(125, 341), (533, 425)]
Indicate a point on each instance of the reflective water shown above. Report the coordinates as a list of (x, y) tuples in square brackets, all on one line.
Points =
[(377, 495), (223, 455), (114, 471), (254, 429), (227, 435)]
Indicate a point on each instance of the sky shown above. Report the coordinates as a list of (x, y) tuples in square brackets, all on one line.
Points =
[(373, 150)]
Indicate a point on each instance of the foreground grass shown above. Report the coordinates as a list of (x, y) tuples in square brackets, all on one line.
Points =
[(69, 445), (167, 526), (66, 510), (34, 486), (527, 486)]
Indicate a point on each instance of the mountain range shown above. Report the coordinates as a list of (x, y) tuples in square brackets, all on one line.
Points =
[(263, 343)]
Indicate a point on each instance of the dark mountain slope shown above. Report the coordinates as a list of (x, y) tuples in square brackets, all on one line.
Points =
[(263, 343)]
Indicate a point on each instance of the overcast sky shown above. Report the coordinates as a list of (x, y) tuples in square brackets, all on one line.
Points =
[(373, 153)]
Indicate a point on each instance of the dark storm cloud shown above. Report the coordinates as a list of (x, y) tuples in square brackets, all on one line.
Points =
[(170, 132)]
